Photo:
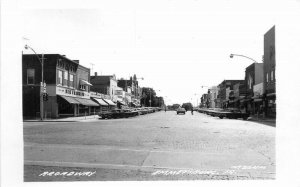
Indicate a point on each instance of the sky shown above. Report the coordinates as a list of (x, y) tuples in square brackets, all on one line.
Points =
[(176, 46)]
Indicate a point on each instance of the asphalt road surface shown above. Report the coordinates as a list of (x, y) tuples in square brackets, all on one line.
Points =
[(158, 146)]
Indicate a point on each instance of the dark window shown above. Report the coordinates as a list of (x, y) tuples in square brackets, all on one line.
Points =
[(30, 76)]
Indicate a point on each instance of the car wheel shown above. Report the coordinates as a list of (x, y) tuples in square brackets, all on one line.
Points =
[(245, 118), (221, 117)]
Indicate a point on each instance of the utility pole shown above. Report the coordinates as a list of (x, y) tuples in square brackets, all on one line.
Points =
[(42, 84)]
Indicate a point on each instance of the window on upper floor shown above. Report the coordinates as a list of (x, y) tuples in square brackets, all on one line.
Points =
[(65, 80), (272, 76), (267, 77), (59, 77), (71, 83), (30, 76), (82, 87)]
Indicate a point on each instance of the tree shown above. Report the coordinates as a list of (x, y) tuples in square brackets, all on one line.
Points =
[(147, 94), (187, 106)]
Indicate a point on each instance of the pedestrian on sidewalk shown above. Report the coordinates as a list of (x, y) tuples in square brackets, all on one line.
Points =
[(192, 111)]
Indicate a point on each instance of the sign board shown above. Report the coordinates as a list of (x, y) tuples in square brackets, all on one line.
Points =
[(72, 92), (258, 89)]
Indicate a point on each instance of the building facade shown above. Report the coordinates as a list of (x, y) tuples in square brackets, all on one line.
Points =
[(226, 89), (269, 73), (253, 76), (67, 87), (104, 84), (213, 97)]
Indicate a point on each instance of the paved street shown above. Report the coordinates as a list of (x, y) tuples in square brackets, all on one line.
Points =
[(158, 146)]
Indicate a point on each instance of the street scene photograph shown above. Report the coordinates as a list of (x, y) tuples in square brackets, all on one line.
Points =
[(174, 92), (138, 91)]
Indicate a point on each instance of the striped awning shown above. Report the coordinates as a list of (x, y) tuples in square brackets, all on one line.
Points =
[(70, 100), (83, 82), (109, 102), (86, 102), (101, 102)]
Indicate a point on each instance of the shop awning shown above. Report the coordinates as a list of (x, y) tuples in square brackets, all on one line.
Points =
[(101, 102), (83, 82), (70, 100), (257, 100), (109, 102), (121, 102), (86, 102), (271, 94)]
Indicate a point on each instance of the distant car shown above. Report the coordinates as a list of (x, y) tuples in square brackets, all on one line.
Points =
[(181, 110)]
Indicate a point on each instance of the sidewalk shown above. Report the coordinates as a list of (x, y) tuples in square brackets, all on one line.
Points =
[(269, 121), (68, 119)]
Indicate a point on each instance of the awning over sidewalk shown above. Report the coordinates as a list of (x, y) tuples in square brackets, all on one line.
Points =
[(83, 82), (86, 102), (271, 94), (121, 102), (101, 102), (257, 100), (109, 102), (70, 100)]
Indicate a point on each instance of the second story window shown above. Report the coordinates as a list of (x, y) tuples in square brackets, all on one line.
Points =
[(71, 81), (82, 87), (272, 77), (65, 81), (30, 76), (59, 77)]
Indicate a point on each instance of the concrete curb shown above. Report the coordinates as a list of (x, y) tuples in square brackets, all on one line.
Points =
[(79, 119)]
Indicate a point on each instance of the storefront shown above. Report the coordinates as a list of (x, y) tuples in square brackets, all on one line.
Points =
[(271, 105), (111, 105), (65, 102)]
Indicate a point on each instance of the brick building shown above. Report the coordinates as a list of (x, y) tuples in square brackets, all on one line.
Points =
[(226, 89), (253, 77), (269, 73), (67, 86)]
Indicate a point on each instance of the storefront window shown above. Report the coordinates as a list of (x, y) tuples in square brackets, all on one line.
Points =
[(30, 76), (59, 78)]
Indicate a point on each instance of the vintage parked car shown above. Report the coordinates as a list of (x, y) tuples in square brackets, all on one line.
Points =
[(144, 111), (232, 113), (118, 113), (180, 111), (134, 112), (127, 113), (105, 115)]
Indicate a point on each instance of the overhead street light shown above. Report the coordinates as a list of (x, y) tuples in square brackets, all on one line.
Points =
[(42, 82), (232, 55)]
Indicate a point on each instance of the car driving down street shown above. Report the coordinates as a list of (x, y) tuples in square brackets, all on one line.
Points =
[(181, 111)]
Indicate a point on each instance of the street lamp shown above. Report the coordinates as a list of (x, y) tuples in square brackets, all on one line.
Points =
[(207, 99), (232, 55), (42, 82)]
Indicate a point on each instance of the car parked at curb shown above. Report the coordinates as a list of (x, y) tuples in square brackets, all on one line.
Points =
[(232, 113)]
